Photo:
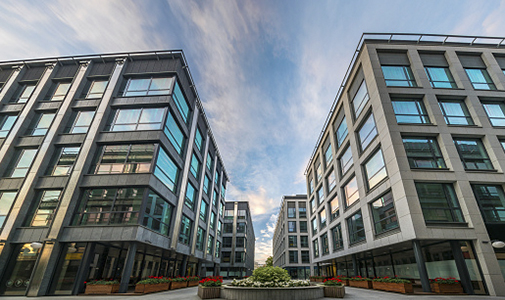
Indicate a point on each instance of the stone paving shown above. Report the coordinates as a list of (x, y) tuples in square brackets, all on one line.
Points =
[(190, 294)]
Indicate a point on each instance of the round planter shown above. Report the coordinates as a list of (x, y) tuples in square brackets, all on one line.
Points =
[(334, 291), (249, 293)]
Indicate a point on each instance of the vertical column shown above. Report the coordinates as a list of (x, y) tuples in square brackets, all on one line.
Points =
[(421, 266), (127, 268), (464, 275)]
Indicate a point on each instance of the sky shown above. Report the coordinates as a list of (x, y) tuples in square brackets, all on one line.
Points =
[(266, 71)]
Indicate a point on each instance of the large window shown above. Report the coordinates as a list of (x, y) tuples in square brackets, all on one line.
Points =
[(189, 200), (109, 206), (200, 236), (375, 169), (6, 200), (115, 159), (302, 209), (356, 228), (491, 199), (334, 205), (292, 226), (410, 111), (81, 121), (440, 77), (6, 123), (147, 86), (166, 170), (398, 76), (22, 162), (351, 193), (314, 226), (322, 218), (180, 102), (158, 214), (137, 119), (455, 113), (384, 214), (367, 132), (304, 241), (346, 161), (325, 245), (203, 211), (336, 235), (341, 132), (65, 159), (97, 89), (195, 166), (360, 99), (495, 112), (185, 232), (292, 241), (315, 247), (41, 124), (439, 202), (480, 79), (291, 210), (174, 133), (423, 152), (473, 154)]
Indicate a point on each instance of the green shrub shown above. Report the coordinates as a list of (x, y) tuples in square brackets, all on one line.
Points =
[(269, 274)]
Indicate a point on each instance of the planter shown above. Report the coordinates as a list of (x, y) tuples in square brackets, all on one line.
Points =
[(178, 285), (441, 288), (152, 288), (334, 291), (101, 289), (209, 292), (365, 284), (192, 283), (404, 288)]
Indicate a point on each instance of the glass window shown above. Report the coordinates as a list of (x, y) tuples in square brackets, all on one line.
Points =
[(185, 233), (195, 166), (346, 161), (180, 102), (439, 202), (423, 152), (480, 79), (293, 257), (360, 99), (203, 211), (356, 228), (291, 210), (325, 244), (241, 227), (6, 201), (228, 214), (315, 247), (198, 140), (209, 162), (6, 123), (158, 214), (302, 210), (213, 221), (292, 226), (336, 235), (109, 206), (210, 245), (174, 133), (322, 218), (206, 183), (455, 113), (43, 123), (410, 111), (66, 157), (97, 89), (314, 226), (200, 236), (367, 132), (440, 77), (60, 91), (384, 214), (113, 159), (495, 112), (303, 226), (137, 119), (147, 86), (320, 196), (351, 193), (24, 92), (190, 196), (319, 173), (218, 249), (305, 257), (331, 180), (491, 201), (341, 132), (334, 205), (398, 76), (375, 169), (312, 206), (328, 155), (166, 170), (473, 154), (82, 121), (22, 164)]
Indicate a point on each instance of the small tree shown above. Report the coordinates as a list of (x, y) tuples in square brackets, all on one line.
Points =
[(269, 262)]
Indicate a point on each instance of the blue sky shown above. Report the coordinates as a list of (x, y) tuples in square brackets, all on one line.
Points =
[(266, 71)]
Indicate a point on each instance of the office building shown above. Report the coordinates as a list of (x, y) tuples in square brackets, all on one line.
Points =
[(237, 258), (291, 249), (407, 175), (109, 170)]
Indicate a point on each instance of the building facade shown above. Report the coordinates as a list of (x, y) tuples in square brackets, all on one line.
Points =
[(109, 170), (291, 242), (407, 177), (237, 258)]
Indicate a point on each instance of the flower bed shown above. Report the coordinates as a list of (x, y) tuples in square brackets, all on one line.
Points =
[(449, 285), (101, 287), (393, 285), (360, 282), (334, 288)]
